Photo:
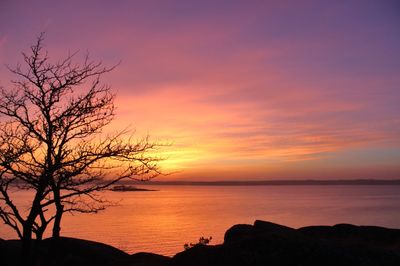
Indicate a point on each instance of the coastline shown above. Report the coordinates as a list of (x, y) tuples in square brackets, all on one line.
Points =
[(262, 243), (289, 182)]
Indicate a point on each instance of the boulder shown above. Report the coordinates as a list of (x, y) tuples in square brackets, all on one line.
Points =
[(148, 259), (78, 252), (266, 243)]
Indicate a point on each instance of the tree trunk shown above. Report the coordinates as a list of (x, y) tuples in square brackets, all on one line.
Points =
[(59, 212), (39, 234), (28, 257), (26, 252), (42, 227), (57, 223), (57, 220)]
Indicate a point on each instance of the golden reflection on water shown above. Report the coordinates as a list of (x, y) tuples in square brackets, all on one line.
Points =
[(162, 221)]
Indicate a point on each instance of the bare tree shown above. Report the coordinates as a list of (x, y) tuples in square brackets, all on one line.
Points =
[(51, 142)]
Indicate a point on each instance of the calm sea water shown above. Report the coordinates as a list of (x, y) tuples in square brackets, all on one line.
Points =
[(162, 221)]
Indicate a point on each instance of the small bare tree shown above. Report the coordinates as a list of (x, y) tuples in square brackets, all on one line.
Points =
[(51, 142)]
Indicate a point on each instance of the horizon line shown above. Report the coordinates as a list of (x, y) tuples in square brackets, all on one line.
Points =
[(272, 182)]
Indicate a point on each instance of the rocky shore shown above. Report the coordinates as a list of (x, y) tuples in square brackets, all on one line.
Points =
[(263, 243)]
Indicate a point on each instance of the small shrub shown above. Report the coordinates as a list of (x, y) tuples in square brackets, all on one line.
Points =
[(203, 241)]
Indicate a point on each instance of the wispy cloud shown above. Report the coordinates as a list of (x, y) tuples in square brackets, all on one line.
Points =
[(251, 89)]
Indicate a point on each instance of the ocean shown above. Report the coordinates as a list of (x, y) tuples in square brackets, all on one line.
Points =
[(163, 221)]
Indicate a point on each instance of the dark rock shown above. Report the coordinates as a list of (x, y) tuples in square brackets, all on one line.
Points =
[(72, 251), (238, 232), (148, 259), (366, 235), (78, 252), (263, 243), (202, 255), (266, 243), (10, 252)]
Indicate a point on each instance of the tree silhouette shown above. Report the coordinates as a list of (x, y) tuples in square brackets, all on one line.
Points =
[(51, 142)]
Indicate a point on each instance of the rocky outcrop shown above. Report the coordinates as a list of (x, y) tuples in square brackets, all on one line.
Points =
[(263, 243), (78, 252), (266, 243), (148, 259)]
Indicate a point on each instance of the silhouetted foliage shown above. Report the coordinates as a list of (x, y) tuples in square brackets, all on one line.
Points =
[(202, 241), (51, 142)]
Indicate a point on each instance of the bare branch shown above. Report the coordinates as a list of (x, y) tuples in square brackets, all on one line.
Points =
[(52, 141)]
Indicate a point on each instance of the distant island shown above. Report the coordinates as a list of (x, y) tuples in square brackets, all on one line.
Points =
[(309, 182), (124, 188)]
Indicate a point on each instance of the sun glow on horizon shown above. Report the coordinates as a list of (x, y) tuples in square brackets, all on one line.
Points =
[(255, 90)]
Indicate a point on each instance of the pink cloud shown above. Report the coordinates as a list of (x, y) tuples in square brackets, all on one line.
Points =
[(256, 87)]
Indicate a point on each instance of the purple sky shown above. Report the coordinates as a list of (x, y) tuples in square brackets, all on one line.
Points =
[(243, 89)]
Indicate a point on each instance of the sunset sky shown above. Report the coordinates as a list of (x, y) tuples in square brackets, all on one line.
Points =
[(244, 90)]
